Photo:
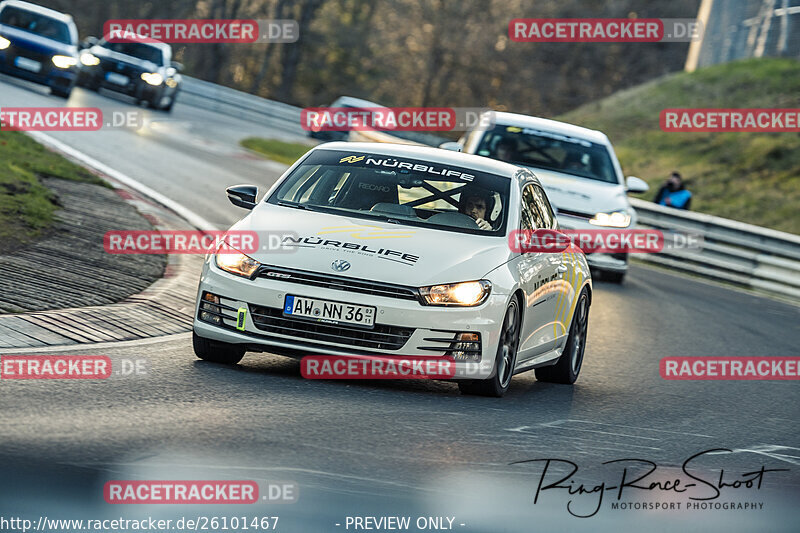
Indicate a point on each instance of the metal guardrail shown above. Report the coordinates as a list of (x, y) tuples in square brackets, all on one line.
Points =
[(735, 252), (242, 105)]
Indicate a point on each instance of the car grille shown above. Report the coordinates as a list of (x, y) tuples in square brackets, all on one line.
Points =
[(338, 282), (381, 337)]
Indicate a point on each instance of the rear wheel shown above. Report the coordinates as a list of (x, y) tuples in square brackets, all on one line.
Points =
[(217, 352), (505, 361), (568, 367)]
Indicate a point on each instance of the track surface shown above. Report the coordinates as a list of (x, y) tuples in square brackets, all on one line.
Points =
[(399, 448)]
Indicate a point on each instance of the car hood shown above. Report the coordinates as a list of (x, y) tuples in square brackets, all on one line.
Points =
[(377, 251), (36, 43), (581, 195)]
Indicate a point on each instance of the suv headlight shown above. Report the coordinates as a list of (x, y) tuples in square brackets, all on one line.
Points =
[(465, 294), (152, 78), (64, 61), (617, 219), (232, 260), (4, 43), (89, 59)]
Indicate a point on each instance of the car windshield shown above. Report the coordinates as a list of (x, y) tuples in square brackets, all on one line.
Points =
[(35, 23), (398, 190), (142, 51), (547, 150)]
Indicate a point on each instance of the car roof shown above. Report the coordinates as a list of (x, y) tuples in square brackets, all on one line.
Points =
[(554, 126), (427, 153), (356, 102), (142, 40), (52, 13)]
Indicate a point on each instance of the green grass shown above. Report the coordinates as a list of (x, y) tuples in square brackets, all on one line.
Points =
[(751, 177), (27, 206), (279, 151)]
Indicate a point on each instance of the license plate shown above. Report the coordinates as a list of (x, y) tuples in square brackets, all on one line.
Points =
[(117, 79), (329, 312), (28, 64)]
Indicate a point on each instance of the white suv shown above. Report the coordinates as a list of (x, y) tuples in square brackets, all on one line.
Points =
[(578, 169)]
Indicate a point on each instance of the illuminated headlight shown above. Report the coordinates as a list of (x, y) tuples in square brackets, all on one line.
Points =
[(617, 219), (4, 43), (171, 83), (153, 78), (64, 61), (89, 59), (467, 293), (232, 260)]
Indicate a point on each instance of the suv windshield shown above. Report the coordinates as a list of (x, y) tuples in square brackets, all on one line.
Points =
[(398, 190), (142, 51), (35, 23), (547, 150)]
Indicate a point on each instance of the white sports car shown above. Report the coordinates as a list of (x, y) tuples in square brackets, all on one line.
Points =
[(579, 171), (399, 250)]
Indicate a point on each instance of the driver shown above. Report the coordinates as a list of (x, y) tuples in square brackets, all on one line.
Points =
[(475, 203)]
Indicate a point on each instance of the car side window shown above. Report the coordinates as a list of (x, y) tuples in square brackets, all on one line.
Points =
[(540, 198), (525, 218)]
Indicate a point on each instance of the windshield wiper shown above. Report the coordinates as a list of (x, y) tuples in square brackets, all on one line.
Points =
[(296, 205)]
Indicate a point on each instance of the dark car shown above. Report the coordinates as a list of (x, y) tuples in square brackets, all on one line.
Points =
[(142, 70), (38, 44)]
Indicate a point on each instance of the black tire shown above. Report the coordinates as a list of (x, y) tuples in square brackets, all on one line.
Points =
[(217, 352), (568, 367), (168, 108), (497, 385)]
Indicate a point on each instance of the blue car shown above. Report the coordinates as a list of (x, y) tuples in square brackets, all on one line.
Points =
[(39, 45)]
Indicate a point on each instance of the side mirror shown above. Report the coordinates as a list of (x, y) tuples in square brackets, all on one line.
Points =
[(452, 145), (243, 195), (636, 185), (89, 42), (177, 66)]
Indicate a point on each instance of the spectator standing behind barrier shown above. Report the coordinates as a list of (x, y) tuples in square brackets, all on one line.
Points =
[(673, 193)]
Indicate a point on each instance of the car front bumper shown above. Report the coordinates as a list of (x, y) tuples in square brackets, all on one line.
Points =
[(403, 327)]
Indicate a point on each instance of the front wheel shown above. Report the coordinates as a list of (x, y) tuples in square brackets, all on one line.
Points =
[(506, 358), (216, 352), (568, 367)]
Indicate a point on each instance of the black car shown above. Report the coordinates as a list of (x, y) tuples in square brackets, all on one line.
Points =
[(142, 70), (38, 44)]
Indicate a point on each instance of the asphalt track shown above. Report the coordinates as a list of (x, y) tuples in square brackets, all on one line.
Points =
[(398, 447)]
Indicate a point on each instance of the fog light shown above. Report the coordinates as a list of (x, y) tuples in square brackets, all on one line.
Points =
[(466, 347), (210, 310)]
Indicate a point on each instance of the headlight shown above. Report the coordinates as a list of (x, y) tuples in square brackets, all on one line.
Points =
[(171, 83), (64, 61), (4, 43), (153, 78), (232, 260), (89, 59), (617, 219), (467, 293)]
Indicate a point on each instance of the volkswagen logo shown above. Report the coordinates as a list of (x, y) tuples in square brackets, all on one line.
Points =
[(340, 265)]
